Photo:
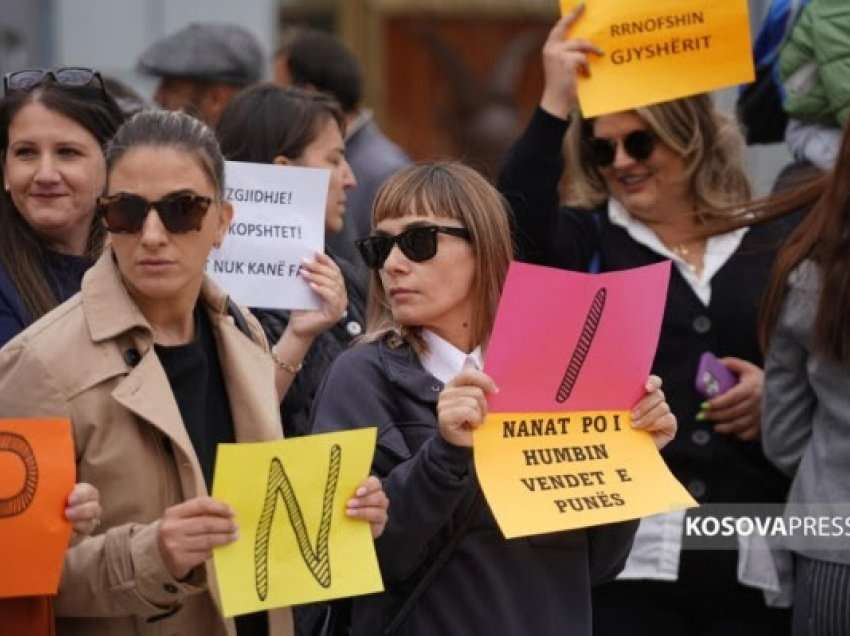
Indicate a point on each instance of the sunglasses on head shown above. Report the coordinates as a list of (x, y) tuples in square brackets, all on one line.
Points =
[(639, 145), (180, 212), (416, 243), (69, 76)]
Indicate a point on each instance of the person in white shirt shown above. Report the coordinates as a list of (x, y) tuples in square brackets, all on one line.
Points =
[(643, 186), (439, 251)]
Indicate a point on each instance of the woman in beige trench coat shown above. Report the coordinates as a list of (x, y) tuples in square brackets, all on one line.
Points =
[(116, 359)]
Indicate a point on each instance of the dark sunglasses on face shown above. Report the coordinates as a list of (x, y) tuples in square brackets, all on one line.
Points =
[(639, 145), (70, 76), (416, 243), (180, 212)]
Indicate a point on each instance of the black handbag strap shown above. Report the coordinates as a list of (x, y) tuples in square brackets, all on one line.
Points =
[(436, 565)]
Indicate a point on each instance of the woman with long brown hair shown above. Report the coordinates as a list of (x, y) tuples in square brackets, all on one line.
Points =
[(53, 127)]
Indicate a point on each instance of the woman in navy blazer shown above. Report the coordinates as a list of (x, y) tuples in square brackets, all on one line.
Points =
[(439, 251)]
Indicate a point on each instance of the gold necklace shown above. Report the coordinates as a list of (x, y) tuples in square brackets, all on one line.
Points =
[(682, 251)]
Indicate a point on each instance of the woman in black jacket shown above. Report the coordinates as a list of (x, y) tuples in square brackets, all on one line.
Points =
[(439, 250), (642, 186), (269, 124)]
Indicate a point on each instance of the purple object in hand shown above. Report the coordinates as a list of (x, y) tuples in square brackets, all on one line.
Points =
[(713, 378)]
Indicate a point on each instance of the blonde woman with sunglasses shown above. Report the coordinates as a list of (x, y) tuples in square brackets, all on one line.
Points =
[(640, 187), (439, 251), (155, 366)]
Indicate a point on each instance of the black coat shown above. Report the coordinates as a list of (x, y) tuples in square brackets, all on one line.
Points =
[(714, 467), (490, 585)]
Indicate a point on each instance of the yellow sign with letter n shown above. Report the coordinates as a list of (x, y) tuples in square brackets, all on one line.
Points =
[(296, 543)]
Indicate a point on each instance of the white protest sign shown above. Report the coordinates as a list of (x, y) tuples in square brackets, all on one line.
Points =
[(278, 219)]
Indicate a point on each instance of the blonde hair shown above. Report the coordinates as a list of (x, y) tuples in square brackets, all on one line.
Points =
[(454, 191), (709, 142)]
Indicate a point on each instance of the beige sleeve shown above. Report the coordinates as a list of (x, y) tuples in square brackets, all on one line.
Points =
[(121, 573)]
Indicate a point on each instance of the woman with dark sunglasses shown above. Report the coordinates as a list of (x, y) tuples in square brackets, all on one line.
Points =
[(439, 252), (53, 126), (269, 124), (640, 186), (155, 366)]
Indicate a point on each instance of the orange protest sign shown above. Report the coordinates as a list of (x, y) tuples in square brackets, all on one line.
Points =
[(661, 50), (36, 476)]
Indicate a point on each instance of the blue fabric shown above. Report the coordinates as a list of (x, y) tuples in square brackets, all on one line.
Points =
[(65, 275), (775, 28)]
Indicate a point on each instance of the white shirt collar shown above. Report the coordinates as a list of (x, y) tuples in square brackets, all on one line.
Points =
[(444, 361), (718, 249)]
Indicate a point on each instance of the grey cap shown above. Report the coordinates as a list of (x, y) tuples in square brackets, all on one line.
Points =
[(209, 51)]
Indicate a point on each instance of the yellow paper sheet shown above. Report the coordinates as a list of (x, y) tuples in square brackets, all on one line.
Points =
[(543, 472), (661, 50), (296, 543)]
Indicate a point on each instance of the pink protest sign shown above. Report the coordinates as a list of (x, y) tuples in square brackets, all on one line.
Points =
[(567, 341)]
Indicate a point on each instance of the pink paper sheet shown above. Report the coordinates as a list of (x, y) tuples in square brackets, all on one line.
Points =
[(589, 337)]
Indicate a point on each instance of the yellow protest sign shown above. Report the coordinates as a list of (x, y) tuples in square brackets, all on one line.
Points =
[(544, 472), (296, 543), (661, 50)]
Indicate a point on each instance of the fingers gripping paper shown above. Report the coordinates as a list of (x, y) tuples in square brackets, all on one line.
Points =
[(558, 451), (296, 543), (661, 50)]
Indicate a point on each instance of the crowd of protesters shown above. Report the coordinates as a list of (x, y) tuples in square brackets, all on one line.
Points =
[(110, 209)]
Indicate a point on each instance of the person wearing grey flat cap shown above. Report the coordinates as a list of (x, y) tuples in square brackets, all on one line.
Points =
[(202, 66)]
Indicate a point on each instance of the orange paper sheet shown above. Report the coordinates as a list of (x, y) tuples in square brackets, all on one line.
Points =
[(36, 476), (661, 50)]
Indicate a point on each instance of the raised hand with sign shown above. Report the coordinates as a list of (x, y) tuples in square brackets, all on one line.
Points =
[(326, 280), (563, 60)]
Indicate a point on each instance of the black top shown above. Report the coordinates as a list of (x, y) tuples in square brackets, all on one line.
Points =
[(532, 585), (714, 467), (194, 373)]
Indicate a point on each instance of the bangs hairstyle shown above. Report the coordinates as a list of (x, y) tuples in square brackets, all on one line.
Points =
[(709, 142), (22, 251), (266, 121), (447, 190)]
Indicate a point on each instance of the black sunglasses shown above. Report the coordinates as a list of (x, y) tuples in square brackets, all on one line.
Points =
[(638, 144), (68, 76), (180, 212), (416, 243)]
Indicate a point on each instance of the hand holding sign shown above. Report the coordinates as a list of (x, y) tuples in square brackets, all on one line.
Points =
[(563, 60), (83, 510), (652, 414), (190, 530), (462, 406), (36, 475), (325, 278), (370, 503)]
